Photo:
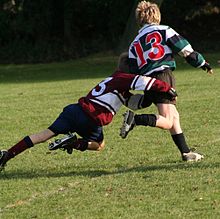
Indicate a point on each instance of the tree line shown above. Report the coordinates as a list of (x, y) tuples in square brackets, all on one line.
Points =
[(54, 30)]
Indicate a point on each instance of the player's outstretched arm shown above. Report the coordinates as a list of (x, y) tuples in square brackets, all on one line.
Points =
[(146, 83), (161, 86), (196, 60)]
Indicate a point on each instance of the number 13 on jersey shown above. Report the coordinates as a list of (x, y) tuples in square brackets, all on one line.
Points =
[(153, 45)]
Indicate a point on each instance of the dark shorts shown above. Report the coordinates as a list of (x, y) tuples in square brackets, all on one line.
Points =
[(73, 119), (157, 97)]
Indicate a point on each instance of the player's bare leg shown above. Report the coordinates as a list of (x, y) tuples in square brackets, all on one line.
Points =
[(168, 119), (131, 120), (167, 112), (163, 123), (41, 136), (25, 143), (170, 112), (171, 115)]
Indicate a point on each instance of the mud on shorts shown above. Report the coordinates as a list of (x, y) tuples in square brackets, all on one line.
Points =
[(159, 97)]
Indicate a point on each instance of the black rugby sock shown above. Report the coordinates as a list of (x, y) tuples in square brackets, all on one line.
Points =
[(146, 120), (180, 142)]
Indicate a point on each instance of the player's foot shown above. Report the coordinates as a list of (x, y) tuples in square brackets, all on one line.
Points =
[(128, 123), (192, 156), (3, 159), (63, 143)]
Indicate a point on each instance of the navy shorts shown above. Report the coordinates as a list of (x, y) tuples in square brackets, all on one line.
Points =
[(74, 119)]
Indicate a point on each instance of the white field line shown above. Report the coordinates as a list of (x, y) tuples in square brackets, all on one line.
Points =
[(214, 140), (39, 196)]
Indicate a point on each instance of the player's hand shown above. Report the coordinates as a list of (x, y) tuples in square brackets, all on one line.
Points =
[(207, 67), (172, 93)]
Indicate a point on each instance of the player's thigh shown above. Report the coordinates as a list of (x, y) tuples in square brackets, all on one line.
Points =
[(63, 123), (91, 131), (74, 119), (83, 125)]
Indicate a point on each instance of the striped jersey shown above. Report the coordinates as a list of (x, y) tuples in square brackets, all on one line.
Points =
[(154, 47), (105, 99)]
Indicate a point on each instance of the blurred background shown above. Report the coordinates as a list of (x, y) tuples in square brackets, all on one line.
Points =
[(40, 31)]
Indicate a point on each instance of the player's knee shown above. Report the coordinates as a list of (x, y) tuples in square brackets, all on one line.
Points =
[(168, 125), (173, 120), (176, 116), (169, 122)]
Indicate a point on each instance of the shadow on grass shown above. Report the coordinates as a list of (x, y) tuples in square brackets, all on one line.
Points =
[(91, 67), (97, 173), (77, 69)]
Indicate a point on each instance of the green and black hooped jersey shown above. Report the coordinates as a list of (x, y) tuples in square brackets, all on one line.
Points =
[(154, 47)]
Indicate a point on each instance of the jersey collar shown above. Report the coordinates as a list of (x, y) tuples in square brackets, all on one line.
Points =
[(146, 26)]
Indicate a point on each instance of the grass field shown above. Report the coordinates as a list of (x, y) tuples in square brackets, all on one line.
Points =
[(140, 177)]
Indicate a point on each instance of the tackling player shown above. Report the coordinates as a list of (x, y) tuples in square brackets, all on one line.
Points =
[(93, 111), (152, 54)]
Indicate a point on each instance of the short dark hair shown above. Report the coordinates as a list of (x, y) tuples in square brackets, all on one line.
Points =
[(123, 62)]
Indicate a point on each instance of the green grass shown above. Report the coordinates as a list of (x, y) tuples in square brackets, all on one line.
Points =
[(140, 177)]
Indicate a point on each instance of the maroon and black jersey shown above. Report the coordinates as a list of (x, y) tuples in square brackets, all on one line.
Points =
[(104, 100)]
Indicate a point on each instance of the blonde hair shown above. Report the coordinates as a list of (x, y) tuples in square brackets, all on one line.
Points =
[(123, 62), (147, 13)]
